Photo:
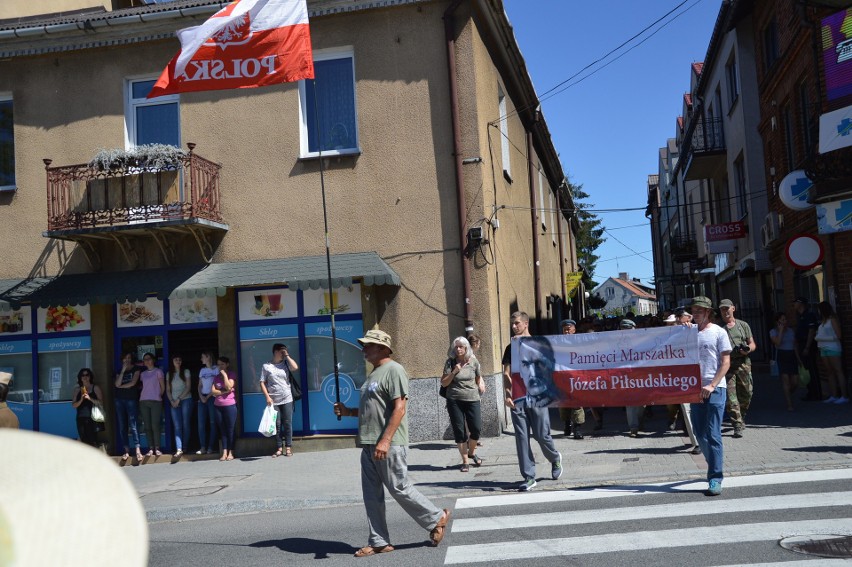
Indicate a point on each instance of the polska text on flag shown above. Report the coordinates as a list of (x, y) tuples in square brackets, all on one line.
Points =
[(248, 43)]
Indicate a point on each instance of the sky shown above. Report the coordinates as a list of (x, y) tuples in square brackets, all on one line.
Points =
[(608, 128)]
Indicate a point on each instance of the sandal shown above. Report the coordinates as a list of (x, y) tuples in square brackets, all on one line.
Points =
[(139, 455), (150, 453), (158, 453), (370, 550), (230, 458), (437, 533), (179, 454), (477, 462), (125, 456), (464, 467), (288, 452), (278, 453)]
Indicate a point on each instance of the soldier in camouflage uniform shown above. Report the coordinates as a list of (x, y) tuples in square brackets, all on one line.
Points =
[(740, 385), (573, 418)]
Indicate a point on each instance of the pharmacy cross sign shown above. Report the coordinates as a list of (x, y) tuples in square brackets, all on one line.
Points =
[(845, 127)]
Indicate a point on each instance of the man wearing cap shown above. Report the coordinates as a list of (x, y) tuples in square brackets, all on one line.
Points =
[(573, 418), (739, 382), (714, 352), (529, 419), (806, 327), (7, 416), (383, 438)]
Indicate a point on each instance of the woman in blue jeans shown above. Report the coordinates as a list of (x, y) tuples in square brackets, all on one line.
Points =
[(126, 396), (180, 402), (275, 385), (206, 413)]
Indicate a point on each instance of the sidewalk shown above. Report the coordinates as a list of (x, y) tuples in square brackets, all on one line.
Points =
[(815, 436)]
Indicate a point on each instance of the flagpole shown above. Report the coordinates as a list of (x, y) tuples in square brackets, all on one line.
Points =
[(327, 249)]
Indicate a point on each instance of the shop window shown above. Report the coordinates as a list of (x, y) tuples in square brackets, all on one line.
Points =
[(150, 121), (7, 144), (328, 107)]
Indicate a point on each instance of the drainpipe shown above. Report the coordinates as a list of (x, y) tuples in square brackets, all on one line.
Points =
[(450, 34), (558, 228), (535, 229)]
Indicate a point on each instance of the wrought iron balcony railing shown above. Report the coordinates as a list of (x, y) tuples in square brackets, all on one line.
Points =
[(683, 248), (83, 197)]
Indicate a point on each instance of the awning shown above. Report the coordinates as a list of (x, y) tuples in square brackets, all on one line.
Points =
[(308, 272)]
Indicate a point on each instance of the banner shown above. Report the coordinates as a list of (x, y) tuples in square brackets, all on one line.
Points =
[(837, 54), (615, 368), (246, 44), (835, 130), (572, 282)]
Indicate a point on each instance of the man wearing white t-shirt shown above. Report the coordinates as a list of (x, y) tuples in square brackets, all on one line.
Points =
[(714, 351)]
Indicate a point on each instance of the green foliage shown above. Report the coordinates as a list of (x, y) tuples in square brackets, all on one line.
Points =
[(590, 236), (596, 302)]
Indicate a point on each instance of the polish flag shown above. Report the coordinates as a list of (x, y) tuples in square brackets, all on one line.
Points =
[(246, 44)]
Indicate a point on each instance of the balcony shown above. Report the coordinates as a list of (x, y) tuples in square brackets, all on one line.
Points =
[(683, 248), (704, 148), (95, 203), (831, 174)]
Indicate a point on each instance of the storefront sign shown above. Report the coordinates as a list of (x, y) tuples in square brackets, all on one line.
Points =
[(194, 310), (835, 130), (617, 368), (262, 304), (140, 313), (725, 231), (63, 319), (266, 332), (795, 190), (721, 246), (65, 344), (15, 347), (804, 251), (834, 217), (16, 321), (837, 54), (347, 301)]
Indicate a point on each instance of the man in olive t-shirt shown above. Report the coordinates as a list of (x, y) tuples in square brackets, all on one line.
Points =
[(739, 380), (383, 438)]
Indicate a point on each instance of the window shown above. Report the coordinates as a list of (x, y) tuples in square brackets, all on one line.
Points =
[(770, 45), (7, 144), (610, 293), (154, 121), (542, 180), (504, 134), (327, 106), (789, 140), (742, 187), (553, 227), (807, 123), (732, 76)]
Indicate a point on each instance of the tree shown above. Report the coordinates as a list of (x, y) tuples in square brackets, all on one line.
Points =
[(590, 235)]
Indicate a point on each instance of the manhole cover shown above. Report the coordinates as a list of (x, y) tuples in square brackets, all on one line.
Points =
[(821, 545)]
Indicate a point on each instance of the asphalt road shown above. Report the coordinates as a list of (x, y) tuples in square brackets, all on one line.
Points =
[(670, 523)]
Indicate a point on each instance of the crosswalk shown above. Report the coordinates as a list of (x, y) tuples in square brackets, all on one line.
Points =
[(608, 525)]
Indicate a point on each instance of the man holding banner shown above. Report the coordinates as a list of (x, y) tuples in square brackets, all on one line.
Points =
[(528, 399), (714, 349)]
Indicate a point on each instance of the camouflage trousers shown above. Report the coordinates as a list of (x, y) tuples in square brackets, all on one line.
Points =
[(576, 415), (740, 388)]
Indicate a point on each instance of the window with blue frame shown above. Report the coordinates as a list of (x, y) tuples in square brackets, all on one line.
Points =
[(328, 107), (154, 121), (7, 144)]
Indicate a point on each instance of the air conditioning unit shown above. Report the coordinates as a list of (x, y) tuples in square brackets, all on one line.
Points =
[(769, 229)]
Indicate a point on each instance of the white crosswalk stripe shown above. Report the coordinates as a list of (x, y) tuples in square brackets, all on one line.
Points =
[(503, 536)]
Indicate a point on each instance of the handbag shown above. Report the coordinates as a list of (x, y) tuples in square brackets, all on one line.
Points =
[(98, 414), (268, 421), (442, 391), (295, 387), (804, 376)]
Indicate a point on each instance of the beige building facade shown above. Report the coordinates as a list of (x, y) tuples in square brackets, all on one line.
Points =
[(446, 203)]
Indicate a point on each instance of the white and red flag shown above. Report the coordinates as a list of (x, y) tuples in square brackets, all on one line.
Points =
[(248, 43)]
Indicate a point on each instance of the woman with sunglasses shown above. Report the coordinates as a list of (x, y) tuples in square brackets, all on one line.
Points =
[(86, 395), (151, 403)]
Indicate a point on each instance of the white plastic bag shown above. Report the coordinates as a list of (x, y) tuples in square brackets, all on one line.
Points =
[(267, 422)]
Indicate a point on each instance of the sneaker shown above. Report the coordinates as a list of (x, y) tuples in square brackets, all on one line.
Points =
[(672, 425), (738, 433), (199, 452), (696, 450), (634, 433), (527, 485), (841, 400), (830, 400), (715, 488), (556, 468)]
